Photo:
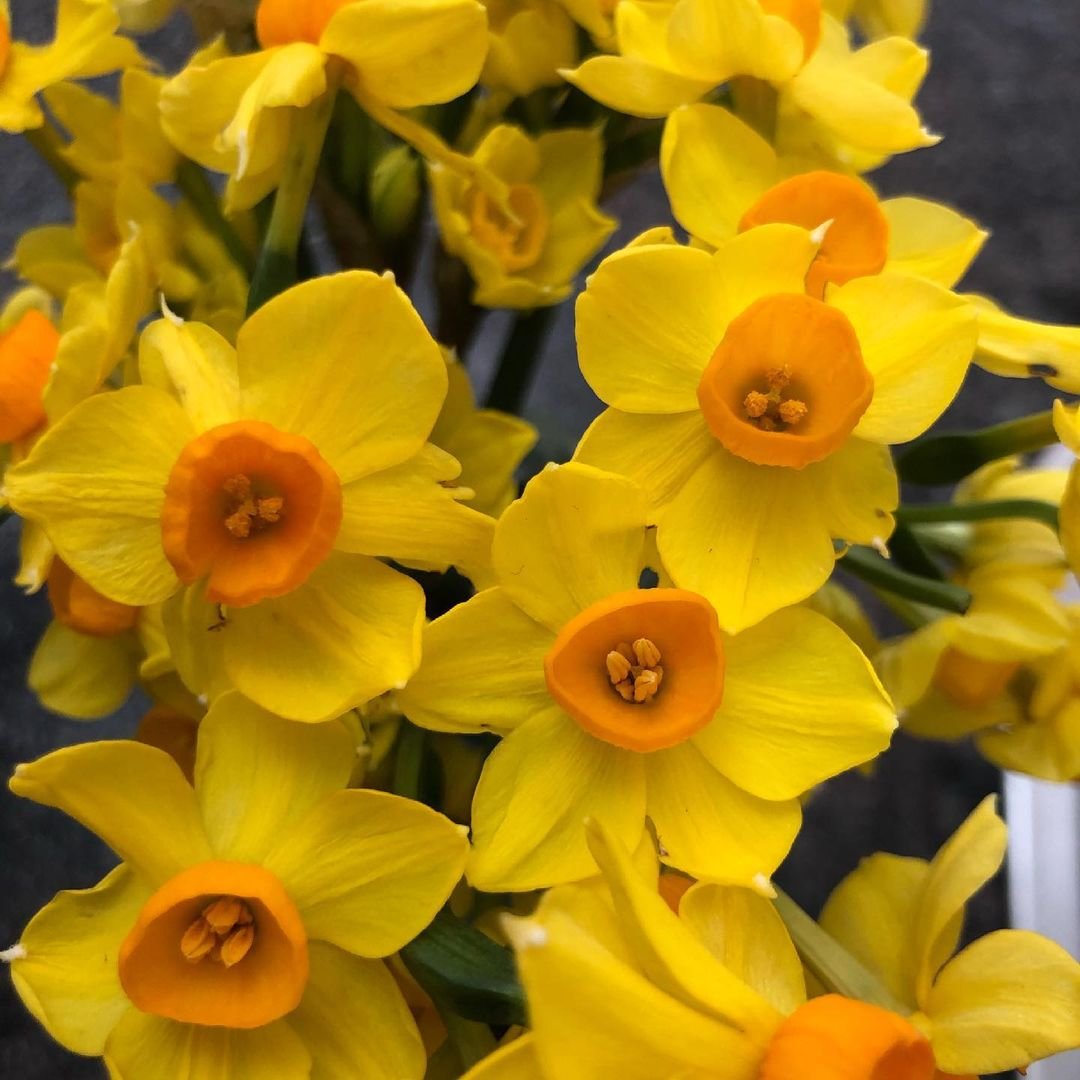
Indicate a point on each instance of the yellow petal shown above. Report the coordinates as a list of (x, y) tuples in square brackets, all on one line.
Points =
[(133, 796), (257, 775), (1010, 998), (778, 548), (587, 1007), (537, 788), (194, 364), (768, 259), (346, 362), (966, 862), (354, 1020), (577, 231), (666, 950), (515, 1060), (410, 513), (577, 535), (917, 340), (52, 257), (96, 482), (872, 914), (711, 828), (66, 973), (348, 634), (147, 1047), (482, 668), (801, 703), (1023, 348), (715, 167), (634, 86), (1048, 749), (648, 322), (81, 676), (930, 240), (411, 52), (570, 166), (368, 870), (743, 931)]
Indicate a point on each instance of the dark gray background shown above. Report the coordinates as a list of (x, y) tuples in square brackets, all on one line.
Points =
[(1003, 88)]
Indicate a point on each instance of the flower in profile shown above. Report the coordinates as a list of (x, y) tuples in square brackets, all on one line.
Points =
[(85, 45), (553, 186), (791, 65), (235, 114), (245, 930), (257, 486), (620, 702), (725, 995), (758, 418)]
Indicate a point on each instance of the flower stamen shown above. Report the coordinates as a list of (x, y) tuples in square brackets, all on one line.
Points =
[(635, 671), (224, 932), (247, 513), (771, 411)]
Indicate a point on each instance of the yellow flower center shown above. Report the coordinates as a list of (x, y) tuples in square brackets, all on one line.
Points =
[(281, 22), (804, 15), (223, 932), (837, 1038), (970, 682), (611, 687), (253, 509), (221, 943), (856, 242), (27, 352), (79, 607), (787, 384), (516, 245)]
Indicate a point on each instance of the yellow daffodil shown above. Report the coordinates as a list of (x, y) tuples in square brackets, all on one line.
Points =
[(1002, 1002), (554, 182), (824, 95), (489, 444), (255, 486), (758, 418), (85, 45), (725, 996), (620, 702), (244, 932), (235, 114), (530, 40), (722, 178), (881, 18)]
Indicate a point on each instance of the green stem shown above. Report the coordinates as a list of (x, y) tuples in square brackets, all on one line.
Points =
[(866, 564), (49, 145), (409, 761), (473, 1041), (906, 548), (830, 962), (276, 268), (993, 509), (518, 360), (198, 191), (946, 459)]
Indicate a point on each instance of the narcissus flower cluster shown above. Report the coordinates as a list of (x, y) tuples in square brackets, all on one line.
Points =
[(469, 748)]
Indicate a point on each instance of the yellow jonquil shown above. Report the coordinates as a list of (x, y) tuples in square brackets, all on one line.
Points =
[(622, 703), (1002, 1002), (723, 994), (245, 930), (723, 178), (235, 114), (530, 40), (838, 102), (758, 418), (255, 486), (84, 46), (553, 185)]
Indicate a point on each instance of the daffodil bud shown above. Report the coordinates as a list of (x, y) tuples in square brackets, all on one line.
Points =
[(395, 192)]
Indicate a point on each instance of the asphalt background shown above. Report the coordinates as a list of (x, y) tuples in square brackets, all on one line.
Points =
[(1003, 89)]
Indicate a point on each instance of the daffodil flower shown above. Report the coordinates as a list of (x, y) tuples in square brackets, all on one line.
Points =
[(723, 995), (257, 485), (758, 418), (553, 184), (85, 45), (622, 702), (245, 931), (843, 103), (529, 42), (235, 114), (723, 178)]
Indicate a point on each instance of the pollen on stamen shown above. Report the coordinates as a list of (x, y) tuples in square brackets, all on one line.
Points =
[(792, 411)]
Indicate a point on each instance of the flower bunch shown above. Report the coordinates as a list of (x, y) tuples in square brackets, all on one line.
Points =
[(442, 776)]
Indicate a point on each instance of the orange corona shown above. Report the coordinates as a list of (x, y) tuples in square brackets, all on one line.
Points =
[(515, 246), (27, 352), (787, 384), (79, 607), (804, 15), (970, 682), (281, 22), (672, 631)]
